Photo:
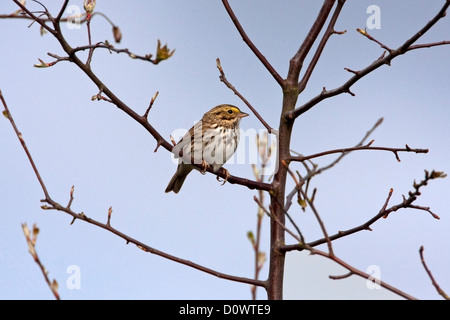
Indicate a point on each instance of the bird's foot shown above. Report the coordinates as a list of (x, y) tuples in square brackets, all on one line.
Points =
[(227, 175)]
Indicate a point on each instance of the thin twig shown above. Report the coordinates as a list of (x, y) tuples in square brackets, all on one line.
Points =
[(31, 241), (353, 271), (223, 78), (53, 205), (330, 255), (91, 50), (383, 213), (328, 33), (430, 275), (386, 60), (152, 100), (160, 141), (110, 47), (297, 60), (8, 115), (357, 148), (270, 215), (368, 36), (255, 50), (368, 133), (321, 224)]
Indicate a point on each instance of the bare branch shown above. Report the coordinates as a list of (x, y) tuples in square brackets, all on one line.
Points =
[(296, 62), (33, 17), (383, 213), (8, 115), (428, 45), (151, 104), (366, 147), (102, 45), (368, 36), (255, 50), (53, 205), (345, 88), (328, 33), (298, 238), (368, 133), (31, 241), (430, 275), (330, 255), (61, 12), (81, 216), (232, 88), (353, 271)]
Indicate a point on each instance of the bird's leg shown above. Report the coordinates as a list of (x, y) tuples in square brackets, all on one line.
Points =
[(205, 167), (227, 175)]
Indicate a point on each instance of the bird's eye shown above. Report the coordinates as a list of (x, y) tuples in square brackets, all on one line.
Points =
[(230, 111)]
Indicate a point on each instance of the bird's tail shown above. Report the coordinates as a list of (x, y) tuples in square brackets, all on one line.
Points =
[(178, 178)]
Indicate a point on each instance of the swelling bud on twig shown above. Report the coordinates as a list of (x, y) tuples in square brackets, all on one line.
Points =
[(89, 6), (117, 34), (43, 64), (362, 31)]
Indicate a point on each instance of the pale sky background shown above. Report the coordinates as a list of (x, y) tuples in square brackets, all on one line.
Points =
[(110, 159)]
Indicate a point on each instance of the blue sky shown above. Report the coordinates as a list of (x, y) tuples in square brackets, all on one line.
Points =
[(109, 158)]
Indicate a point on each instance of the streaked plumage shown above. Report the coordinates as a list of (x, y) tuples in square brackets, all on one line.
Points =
[(213, 140)]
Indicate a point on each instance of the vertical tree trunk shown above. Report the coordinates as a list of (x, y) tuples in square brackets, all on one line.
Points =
[(277, 258)]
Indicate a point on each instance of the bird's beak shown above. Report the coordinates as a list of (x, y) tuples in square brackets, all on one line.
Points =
[(242, 115)]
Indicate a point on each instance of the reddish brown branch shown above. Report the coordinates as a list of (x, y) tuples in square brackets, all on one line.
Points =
[(328, 33), (368, 36), (232, 88), (296, 62), (31, 241), (81, 216), (406, 46), (428, 45), (383, 213), (354, 271), (7, 114), (430, 275), (160, 141), (53, 205), (255, 50), (101, 45), (338, 159), (357, 148)]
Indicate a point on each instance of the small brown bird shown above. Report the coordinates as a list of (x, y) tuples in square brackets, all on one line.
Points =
[(212, 141)]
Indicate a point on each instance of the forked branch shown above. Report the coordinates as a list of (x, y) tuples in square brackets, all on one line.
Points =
[(53, 205), (255, 50), (383, 60)]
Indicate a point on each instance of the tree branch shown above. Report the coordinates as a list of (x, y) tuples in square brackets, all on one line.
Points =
[(81, 216), (31, 241), (366, 147), (354, 271), (430, 275), (328, 33), (8, 115), (296, 62), (146, 248), (366, 136), (142, 120), (330, 255), (345, 88), (383, 213), (232, 88), (255, 50)]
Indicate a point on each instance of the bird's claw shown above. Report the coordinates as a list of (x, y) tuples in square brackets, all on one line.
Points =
[(227, 175), (205, 167)]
